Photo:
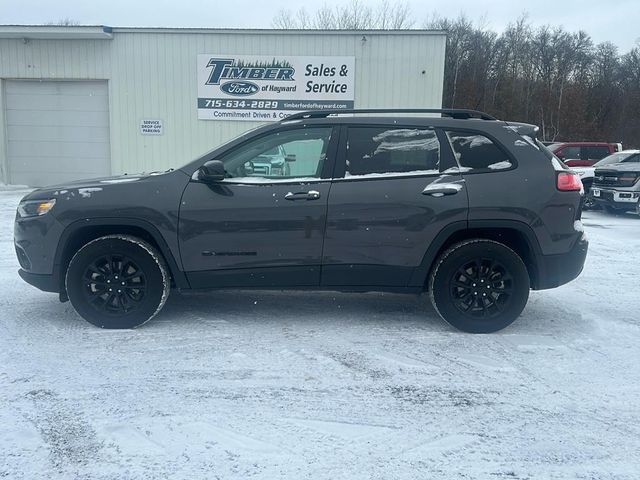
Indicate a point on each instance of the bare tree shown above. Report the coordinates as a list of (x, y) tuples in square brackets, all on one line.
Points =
[(64, 22), (547, 76), (355, 15)]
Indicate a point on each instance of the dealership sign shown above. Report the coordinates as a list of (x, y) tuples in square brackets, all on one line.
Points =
[(268, 88)]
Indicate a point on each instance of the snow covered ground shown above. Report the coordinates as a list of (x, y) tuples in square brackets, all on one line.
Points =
[(327, 386)]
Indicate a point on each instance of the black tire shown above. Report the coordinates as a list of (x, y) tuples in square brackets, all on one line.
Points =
[(589, 204), (460, 277), (612, 210), (117, 281)]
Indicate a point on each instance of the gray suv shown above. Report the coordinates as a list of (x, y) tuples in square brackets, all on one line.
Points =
[(473, 210)]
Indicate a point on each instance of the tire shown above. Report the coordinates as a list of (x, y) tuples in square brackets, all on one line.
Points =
[(454, 289), (612, 210), (100, 265), (589, 203)]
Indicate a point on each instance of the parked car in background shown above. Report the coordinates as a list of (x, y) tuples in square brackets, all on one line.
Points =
[(270, 164), (616, 184), (583, 154), (587, 173)]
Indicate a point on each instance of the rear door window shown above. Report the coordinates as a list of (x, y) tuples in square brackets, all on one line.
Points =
[(380, 150), (569, 153), (474, 151), (595, 153)]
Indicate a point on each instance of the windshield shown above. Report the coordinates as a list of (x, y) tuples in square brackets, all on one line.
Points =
[(616, 158)]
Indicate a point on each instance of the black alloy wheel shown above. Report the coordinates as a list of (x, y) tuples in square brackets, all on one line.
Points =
[(117, 281), (482, 288), (479, 285), (114, 284)]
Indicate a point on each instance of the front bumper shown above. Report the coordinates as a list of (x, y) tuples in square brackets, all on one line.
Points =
[(36, 240), (556, 270), (620, 199), (44, 282)]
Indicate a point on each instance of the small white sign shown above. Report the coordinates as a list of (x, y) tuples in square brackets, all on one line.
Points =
[(151, 126)]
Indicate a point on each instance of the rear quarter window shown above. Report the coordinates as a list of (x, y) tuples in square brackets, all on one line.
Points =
[(476, 152)]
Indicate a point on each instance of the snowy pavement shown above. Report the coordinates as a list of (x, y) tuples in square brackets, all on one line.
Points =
[(275, 385)]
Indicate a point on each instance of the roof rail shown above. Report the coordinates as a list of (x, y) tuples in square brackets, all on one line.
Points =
[(457, 113)]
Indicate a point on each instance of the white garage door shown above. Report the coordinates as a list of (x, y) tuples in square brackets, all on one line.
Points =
[(56, 131)]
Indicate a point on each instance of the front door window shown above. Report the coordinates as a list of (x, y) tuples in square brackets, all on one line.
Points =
[(280, 156)]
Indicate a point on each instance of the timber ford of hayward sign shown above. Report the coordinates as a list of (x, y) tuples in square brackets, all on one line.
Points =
[(268, 88)]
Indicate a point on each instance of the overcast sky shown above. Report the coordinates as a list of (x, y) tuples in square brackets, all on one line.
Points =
[(617, 21)]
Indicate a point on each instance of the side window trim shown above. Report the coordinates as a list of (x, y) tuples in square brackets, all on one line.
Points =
[(340, 166), (583, 153), (340, 169), (498, 144), (447, 157)]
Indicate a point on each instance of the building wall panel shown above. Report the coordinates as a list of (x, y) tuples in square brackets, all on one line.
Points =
[(152, 73)]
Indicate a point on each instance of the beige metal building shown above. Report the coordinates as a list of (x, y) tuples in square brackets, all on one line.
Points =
[(90, 101)]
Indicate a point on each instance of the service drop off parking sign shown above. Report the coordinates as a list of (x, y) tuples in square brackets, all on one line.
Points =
[(268, 88)]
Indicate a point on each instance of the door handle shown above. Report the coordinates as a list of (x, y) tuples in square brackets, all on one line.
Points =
[(442, 189), (310, 195)]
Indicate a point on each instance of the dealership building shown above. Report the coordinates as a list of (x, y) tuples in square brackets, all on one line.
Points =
[(85, 101)]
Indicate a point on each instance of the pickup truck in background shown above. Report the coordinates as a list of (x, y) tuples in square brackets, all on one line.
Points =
[(616, 184), (583, 154), (587, 173)]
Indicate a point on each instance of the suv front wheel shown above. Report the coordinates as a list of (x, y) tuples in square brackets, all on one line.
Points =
[(117, 281), (479, 286)]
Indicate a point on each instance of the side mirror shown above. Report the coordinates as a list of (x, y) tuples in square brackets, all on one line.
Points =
[(290, 157), (211, 171)]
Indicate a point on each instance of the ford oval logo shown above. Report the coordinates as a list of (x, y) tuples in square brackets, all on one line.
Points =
[(239, 88)]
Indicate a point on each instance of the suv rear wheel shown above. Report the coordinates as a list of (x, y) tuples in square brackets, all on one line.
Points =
[(117, 281), (479, 286)]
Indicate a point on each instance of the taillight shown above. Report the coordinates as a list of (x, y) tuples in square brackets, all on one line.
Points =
[(569, 182)]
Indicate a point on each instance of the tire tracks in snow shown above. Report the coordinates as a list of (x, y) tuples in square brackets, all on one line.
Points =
[(71, 440)]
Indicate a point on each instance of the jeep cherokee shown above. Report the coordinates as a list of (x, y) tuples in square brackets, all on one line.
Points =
[(473, 210)]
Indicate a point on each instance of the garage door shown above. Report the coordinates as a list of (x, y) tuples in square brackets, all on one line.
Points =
[(56, 131)]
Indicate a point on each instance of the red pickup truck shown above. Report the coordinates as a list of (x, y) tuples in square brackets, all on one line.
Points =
[(583, 154)]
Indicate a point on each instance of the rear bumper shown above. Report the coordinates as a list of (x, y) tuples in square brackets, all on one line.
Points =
[(556, 270), (44, 282)]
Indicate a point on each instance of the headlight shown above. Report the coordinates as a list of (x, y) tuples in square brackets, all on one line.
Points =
[(35, 208)]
